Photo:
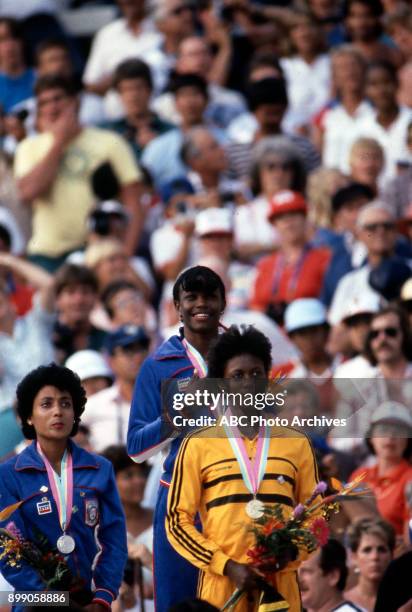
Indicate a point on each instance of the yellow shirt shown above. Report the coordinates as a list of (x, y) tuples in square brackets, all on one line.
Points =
[(207, 479), (59, 216)]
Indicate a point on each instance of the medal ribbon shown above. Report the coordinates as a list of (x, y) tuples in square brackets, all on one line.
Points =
[(252, 471), (61, 488), (196, 359)]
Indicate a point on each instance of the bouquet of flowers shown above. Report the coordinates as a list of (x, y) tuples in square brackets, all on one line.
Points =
[(48, 562), (280, 539)]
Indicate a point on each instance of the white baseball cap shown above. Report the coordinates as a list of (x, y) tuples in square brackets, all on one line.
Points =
[(362, 304), (392, 412), (406, 291), (304, 312), (88, 364), (214, 221)]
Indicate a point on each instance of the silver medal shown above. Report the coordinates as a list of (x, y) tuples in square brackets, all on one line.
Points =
[(66, 544), (254, 509)]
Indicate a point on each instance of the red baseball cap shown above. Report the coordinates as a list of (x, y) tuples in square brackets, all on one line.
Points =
[(286, 202)]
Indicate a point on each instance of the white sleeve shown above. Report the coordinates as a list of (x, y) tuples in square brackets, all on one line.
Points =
[(165, 246), (96, 66)]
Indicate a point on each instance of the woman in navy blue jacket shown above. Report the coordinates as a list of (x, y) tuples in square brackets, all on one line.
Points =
[(66, 493)]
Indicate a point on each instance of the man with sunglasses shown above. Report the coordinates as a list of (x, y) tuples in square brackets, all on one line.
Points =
[(389, 345), (376, 229)]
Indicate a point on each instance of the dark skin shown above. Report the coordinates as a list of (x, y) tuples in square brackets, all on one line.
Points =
[(244, 371), (200, 314)]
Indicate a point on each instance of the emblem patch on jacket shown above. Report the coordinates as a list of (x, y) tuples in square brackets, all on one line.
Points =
[(44, 506), (91, 511)]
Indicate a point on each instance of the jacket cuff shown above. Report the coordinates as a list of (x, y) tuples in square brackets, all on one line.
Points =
[(104, 597), (218, 562)]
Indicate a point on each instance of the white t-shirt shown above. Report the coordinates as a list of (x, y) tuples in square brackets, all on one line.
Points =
[(351, 287), (308, 86), (338, 127), (392, 140), (252, 226), (107, 416)]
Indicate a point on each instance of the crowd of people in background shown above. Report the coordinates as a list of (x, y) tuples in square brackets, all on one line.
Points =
[(270, 142)]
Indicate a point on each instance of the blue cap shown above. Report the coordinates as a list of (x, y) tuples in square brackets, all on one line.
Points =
[(304, 313), (177, 185), (125, 335)]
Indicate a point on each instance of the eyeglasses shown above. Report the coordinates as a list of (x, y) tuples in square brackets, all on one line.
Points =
[(388, 226), (390, 332), (41, 102)]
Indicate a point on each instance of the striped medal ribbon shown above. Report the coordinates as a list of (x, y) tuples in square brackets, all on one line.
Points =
[(196, 359)]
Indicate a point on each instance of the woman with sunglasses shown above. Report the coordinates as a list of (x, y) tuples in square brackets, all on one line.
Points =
[(390, 439), (62, 492), (276, 165)]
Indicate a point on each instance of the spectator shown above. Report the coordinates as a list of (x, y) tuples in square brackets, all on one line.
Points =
[(307, 326), (24, 341), (16, 79), (364, 29), (276, 165), (297, 269), (357, 322), (132, 35), (307, 72), (322, 580), (398, 191), (214, 229), (131, 479), (195, 57), (190, 92), (92, 369), (322, 184), (125, 305), (268, 101), (175, 21), (19, 292), (376, 229), (52, 179), (398, 25), (372, 542), (109, 262), (389, 439), (53, 58), (366, 162), (107, 412), (388, 345), (133, 82), (342, 115), (76, 294), (389, 123), (208, 170)]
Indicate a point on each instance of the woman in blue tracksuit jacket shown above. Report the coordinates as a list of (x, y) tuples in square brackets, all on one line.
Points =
[(197, 291), (90, 531)]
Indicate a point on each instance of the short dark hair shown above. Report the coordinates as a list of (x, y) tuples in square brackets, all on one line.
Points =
[(383, 64), (57, 376), (373, 526), (113, 289), (238, 341), (5, 236), (50, 43), (72, 274), (179, 81), (132, 69), (117, 455), (56, 81), (404, 325), (375, 6), (14, 26), (333, 556), (199, 279), (348, 194), (267, 91), (263, 60)]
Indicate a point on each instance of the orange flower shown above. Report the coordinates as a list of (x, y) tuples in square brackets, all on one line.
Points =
[(271, 526), (320, 530)]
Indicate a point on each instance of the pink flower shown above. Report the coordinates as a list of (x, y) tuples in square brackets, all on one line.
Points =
[(320, 530)]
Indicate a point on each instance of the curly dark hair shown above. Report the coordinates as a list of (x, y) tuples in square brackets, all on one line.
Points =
[(238, 341), (57, 376)]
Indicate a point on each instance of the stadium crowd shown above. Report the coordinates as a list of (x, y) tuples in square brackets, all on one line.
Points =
[(269, 142)]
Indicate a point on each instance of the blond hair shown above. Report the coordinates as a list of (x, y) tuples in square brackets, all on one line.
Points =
[(101, 250)]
